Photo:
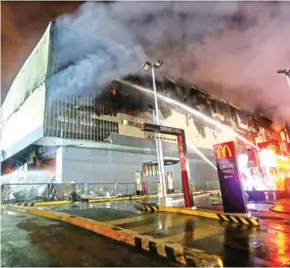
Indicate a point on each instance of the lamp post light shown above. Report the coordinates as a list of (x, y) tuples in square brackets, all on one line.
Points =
[(157, 144), (147, 66), (286, 73)]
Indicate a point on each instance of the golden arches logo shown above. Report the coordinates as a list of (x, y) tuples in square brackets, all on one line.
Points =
[(225, 151)]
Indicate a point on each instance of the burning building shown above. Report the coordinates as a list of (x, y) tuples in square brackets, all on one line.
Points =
[(94, 135)]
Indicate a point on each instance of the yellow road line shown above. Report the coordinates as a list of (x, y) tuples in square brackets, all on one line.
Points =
[(129, 220)]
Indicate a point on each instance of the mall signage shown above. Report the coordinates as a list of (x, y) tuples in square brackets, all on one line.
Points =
[(229, 178), (161, 129)]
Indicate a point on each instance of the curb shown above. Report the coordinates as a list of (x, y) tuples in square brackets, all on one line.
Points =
[(173, 252), (65, 202), (252, 221)]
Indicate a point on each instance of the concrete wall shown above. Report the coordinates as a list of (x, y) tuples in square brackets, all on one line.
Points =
[(31, 75), (109, 166), (22, 112), (25, 126)]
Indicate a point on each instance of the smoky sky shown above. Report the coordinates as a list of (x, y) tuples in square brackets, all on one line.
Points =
[(22, 25), (231, 49)]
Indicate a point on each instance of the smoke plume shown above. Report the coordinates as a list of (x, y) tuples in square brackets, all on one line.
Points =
[(231, 49)]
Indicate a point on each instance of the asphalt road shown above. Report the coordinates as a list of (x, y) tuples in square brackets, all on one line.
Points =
[(32, 241), (237, 245)]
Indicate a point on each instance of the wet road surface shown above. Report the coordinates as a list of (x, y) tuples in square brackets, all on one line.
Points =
[(31, 241), (237, 245), (57, 244)]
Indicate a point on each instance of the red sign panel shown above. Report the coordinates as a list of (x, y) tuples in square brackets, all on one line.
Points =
[(184, 173)]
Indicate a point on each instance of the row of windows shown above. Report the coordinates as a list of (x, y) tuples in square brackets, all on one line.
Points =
[(74, 120)]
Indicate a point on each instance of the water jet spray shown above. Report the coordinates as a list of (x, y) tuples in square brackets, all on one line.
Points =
[(193, 112)]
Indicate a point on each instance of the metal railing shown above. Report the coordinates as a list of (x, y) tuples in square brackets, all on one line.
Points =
[(61, 191)]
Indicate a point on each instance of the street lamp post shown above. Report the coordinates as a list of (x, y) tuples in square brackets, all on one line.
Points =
[(286, 73), (157, 144), (147, 66)]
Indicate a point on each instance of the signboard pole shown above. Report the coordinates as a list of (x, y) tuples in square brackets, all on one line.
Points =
[(229, 178), (184, 170), (188, 200)]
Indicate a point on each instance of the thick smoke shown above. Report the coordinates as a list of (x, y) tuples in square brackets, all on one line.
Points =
[(232, 49)]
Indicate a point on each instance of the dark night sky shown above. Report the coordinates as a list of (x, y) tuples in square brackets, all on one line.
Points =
[(22, 24)]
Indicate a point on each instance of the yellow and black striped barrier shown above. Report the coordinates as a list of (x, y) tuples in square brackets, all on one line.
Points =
[(147, 208), (26, 204), (241, 220), (173, 252), (251, 221)]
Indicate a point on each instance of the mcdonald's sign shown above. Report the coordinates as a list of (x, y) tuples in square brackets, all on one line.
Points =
[(229, 178), (224, 151)]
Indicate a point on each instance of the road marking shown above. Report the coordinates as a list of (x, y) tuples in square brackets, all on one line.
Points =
[(129, 220)]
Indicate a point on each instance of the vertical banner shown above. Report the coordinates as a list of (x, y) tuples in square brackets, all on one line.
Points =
[(229, 178), (184, 172)]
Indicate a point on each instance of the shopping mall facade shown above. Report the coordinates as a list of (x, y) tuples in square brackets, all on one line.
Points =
[(97, 137)]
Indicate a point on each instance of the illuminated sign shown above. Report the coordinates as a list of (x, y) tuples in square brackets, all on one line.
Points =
[(224, 152), (229, 178)]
